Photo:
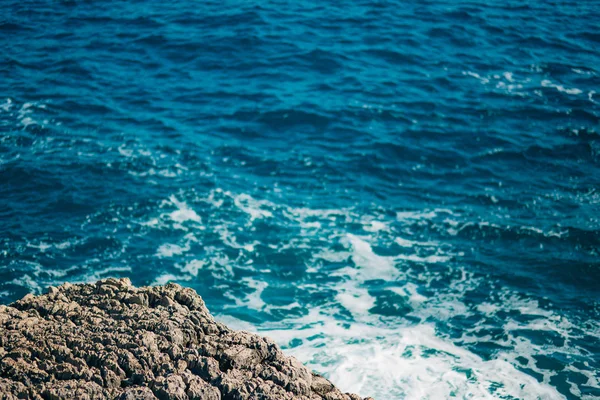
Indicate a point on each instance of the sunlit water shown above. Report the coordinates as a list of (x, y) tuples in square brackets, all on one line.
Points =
[(405, 196)]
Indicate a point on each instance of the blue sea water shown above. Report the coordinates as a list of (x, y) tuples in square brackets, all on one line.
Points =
[(404, 195)]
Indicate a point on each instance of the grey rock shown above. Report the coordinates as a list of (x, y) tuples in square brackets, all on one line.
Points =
[(111, 340), (137, 393)]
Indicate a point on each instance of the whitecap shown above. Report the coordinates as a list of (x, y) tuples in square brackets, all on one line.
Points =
[(434, 258), (7, 105), (166, 278), (561, 88), (375, 226), (183, 212), (252, 207), (370, 264), (27, 282), (477, 76), (252, 300), (169, 250), (193, 267), (413, 243)]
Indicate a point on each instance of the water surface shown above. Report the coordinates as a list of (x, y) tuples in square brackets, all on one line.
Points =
[(405, 195)]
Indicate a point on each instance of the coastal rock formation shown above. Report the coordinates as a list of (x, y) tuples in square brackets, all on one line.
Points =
[(111, 340)]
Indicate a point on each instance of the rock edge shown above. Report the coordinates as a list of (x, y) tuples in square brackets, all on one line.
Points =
[(111, 340)]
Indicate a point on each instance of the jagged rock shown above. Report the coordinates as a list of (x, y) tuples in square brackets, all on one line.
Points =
[(111, 340)]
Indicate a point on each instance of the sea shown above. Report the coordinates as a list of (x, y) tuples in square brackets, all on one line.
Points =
[(404, 195)]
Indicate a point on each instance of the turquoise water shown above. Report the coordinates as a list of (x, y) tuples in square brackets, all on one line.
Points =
[(406, 196)]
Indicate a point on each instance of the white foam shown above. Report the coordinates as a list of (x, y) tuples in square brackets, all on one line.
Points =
[(421, 215), (346, 338), (582, 72), (152, 222), (26, 121), (253, 299), (333, 256), (41, 246), (193, 267), (477, 76), (183, 212), (412, 243), (355, 299), (7, 105), (409, 362), (235, 323), (427, 259), (220, 265), (27, 282), (166, 278), (375, 226), (124, 151), (368, 266), (169, 250), (165, 173), (230, 240), (210, 199), (561, 88), (311, 225), (371, 265), (252, 207), (24, 115), (410, 290), (415, 215), (37, 277), (326, 216), (64, 245)]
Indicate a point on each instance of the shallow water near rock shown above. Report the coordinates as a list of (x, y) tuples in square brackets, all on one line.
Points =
[(404, 196)]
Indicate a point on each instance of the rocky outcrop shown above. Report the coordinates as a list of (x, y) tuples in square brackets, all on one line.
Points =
[(110, 340)]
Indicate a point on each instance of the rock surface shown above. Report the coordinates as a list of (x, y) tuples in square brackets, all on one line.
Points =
[(111, 340)]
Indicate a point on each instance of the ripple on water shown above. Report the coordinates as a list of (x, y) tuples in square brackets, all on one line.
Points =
[(403, 197)]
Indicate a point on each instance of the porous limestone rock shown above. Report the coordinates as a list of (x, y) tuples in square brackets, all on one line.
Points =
[(111, 340)]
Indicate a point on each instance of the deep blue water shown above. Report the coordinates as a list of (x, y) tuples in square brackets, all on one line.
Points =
[(405, 195)]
